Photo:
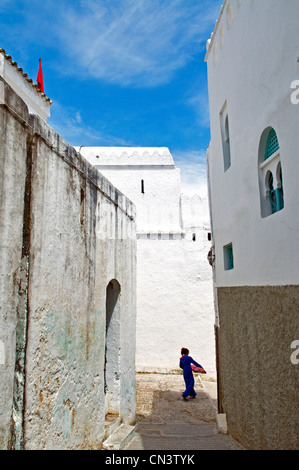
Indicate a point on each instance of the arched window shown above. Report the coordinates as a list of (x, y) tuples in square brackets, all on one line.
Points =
[(224, 127), (270, 173)]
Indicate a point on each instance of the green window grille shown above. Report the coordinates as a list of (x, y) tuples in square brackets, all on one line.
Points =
[(272, 144)]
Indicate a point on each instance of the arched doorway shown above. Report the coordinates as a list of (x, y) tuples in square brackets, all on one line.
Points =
[(112, 349)]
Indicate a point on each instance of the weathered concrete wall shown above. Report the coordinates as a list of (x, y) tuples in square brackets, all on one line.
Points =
[(61, 245), (258, 380)]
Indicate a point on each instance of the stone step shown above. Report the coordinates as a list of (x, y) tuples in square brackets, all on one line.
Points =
[(119, 438), (221, 423), (111, 425)]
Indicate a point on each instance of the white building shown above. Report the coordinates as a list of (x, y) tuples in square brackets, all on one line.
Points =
[(174, 282), (253, 171)]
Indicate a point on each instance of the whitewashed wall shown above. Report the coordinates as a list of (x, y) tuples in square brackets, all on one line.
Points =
[(252, 61)]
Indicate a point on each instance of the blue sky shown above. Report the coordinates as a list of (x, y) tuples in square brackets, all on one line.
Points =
[(120, 72)]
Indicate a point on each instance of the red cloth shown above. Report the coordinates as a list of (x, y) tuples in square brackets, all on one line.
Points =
[(40, 81), (198, 369)]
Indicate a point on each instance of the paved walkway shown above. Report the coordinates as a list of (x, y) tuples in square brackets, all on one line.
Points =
[(165, 421)]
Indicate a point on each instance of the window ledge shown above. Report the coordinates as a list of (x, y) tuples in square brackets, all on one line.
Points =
[(269, 160)]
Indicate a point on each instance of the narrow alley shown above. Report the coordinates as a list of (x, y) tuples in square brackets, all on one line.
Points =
[(167, 422)]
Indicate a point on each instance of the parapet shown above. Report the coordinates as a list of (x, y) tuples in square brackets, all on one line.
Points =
[(38, 103), (223, 24), (130, 156)]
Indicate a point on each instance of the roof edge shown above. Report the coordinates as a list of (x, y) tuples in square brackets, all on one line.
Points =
[(211, 40), (24, 75)]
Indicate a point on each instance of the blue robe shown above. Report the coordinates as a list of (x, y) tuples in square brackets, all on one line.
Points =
[(185, 364)]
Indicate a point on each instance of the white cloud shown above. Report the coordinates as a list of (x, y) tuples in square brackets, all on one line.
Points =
[(200, 102), (193, 172), (138, 43), (129, 42), (67, 121)]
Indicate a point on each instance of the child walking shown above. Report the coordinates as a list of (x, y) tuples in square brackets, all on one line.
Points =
[(185, 364)]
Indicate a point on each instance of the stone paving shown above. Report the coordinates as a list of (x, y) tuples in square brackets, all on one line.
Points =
[(165, 421)]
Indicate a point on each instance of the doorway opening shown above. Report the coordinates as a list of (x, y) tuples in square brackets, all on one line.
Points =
[(112, 353)]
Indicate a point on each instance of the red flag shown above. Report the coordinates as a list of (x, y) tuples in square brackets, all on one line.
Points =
[(40, 81)]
